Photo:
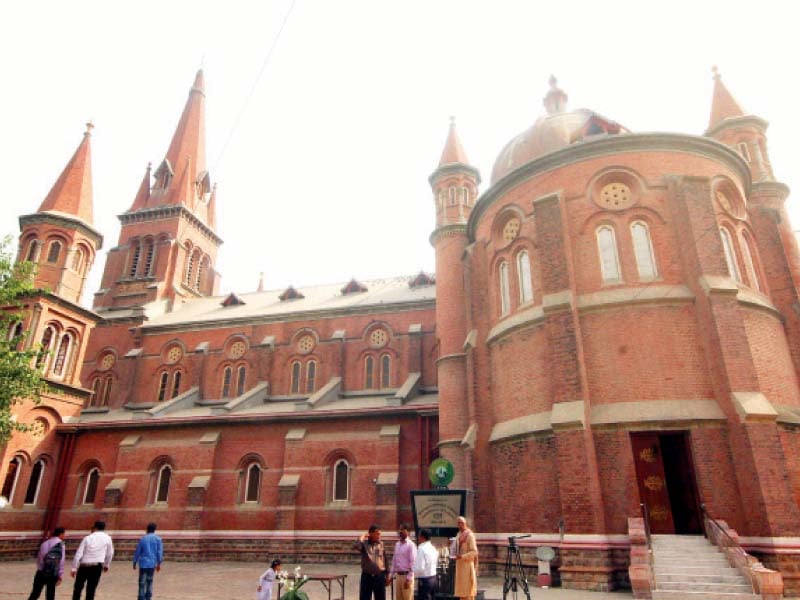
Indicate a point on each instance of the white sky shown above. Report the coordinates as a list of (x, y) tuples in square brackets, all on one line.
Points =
[(325, 177)]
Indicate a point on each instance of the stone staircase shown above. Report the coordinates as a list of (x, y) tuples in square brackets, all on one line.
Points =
[(691, 567)]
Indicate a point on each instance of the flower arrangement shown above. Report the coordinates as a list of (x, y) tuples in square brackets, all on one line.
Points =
[(293, 585)]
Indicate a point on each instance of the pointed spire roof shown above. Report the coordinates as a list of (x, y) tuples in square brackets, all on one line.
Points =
[(453, 150), (260, 282), (723, 104), (143, 195), (72, 192)]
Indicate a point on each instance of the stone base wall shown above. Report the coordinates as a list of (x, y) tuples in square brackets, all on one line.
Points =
[(789, 567)]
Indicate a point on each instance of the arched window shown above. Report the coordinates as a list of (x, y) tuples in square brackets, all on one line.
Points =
[(162, 489), (369, 372), (136, 253), (10, 482), (189, 266), (505, 296), (15, 335), (609, 259), (643, 250), (149, 253), (252, 490), (47, 343), (730, 254), (442, 199), (107, 390), (77, 260), (465, 196), (747, 254), (341, 480), (524, 277), (202, 265), (227, 375), (744, 151), (62, 355), (92, 481), (54, 252), (311, 376), (32, 493), (162, 386), (176, 384), (241, 378), (452, 192), (33, 250), (386, 370), (295, 377), (96, 387)]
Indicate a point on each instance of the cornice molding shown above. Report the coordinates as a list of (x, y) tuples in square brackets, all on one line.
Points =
[(742, 121), (165, 212), (447, 231), (61, 220), (605, 146), (454, 169)]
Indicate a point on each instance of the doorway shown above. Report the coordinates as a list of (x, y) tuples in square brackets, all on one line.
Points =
[(666, 480)]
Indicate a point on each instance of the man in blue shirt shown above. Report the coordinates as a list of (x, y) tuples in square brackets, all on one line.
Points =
[(149, 555)]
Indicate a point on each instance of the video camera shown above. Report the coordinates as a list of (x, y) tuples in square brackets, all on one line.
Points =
[(512, 539)]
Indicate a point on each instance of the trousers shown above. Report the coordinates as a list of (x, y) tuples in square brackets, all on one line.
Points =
[(372, 585), (146, 583), (46, 582), (90, 576)]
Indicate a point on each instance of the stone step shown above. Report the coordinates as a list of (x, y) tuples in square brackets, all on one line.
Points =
[(694, 586), (732, 577), (702, 551), (694, 570), (711, 563), (683, 595), (678, 540)]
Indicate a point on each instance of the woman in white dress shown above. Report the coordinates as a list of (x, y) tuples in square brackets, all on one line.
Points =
[(267, 579)]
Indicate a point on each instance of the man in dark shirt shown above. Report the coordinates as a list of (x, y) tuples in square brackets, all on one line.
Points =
[(374, 577), (44, 579)]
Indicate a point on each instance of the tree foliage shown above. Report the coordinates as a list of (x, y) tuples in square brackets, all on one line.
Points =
[(19, 379)]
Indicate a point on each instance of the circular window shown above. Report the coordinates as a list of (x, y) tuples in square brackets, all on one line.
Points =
[(38, 428), (616, 196), (306, 343), (174, 354), (378, 338), (237, 349), (511, 230), (107, 361)]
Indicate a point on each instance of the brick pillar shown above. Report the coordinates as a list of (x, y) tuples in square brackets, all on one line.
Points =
[(287, 497), (578, 479), (195, 501), (386, 504), (112, 501), (768, 505)]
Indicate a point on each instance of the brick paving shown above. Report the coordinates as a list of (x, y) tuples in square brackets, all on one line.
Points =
[(234, 581)]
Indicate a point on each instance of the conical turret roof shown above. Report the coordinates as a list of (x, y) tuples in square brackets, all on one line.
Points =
[(723, 104), (72, 192)]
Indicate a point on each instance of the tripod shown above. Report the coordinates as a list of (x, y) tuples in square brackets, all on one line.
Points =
[(514, 572)]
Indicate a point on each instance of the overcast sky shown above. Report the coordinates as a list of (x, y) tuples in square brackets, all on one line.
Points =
[(325, 176)]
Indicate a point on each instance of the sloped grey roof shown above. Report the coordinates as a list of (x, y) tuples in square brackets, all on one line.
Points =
[(317, 299)]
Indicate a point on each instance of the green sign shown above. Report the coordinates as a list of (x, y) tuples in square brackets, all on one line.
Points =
[(441, 472)]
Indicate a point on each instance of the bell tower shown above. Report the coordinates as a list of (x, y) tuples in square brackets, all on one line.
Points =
[(455, 190), (167, 246)]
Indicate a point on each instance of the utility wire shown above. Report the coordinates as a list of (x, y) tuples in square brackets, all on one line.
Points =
[(254, 86)]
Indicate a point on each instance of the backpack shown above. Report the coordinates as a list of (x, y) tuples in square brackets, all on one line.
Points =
[(52, 561)]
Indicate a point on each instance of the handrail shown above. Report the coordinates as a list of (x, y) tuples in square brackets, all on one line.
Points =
[(648, 537), (732, 543)]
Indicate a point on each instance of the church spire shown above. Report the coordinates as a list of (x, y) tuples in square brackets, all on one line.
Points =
[(723, 104), (143, 195), (72, 192), (188, 147), (453, 150)]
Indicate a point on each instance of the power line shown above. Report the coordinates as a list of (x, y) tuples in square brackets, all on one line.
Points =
[(254, 86)]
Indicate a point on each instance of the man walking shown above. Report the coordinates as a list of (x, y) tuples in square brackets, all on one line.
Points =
[(49, 566), (149, 555), (374, 578), (425, 566), (91, 560), (405, 554)]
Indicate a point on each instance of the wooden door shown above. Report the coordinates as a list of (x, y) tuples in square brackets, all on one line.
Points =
[(648, 459)]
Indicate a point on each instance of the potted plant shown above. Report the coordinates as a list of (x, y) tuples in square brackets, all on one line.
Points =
[(293, 585)]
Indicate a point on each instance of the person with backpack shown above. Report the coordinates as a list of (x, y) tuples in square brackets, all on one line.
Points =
[(149, 555), (49, 566)]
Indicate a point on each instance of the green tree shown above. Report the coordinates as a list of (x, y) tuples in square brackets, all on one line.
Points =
[(19, 379)]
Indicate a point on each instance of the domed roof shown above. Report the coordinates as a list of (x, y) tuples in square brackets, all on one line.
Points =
[(551, 132)]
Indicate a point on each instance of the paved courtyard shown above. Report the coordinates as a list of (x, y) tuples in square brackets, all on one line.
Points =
[(235, 581)]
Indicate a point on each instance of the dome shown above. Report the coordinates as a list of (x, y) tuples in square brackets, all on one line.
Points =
[(551, 132)]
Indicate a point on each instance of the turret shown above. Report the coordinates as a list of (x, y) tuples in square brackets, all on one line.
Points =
[(60, 237)]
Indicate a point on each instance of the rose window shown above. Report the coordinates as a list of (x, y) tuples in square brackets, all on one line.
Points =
[(511, 230), (237, 349), (616, 196), (306, 344), (38, 428), (378, 338), (107, 362), (174, 354)]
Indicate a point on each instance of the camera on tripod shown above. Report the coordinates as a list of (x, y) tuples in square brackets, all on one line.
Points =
[(512, 539)]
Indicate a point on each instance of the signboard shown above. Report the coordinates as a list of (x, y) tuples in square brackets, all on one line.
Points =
[(441, 472), (438, 510)]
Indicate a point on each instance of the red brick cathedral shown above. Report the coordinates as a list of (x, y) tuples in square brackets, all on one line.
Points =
[(615, 320)]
